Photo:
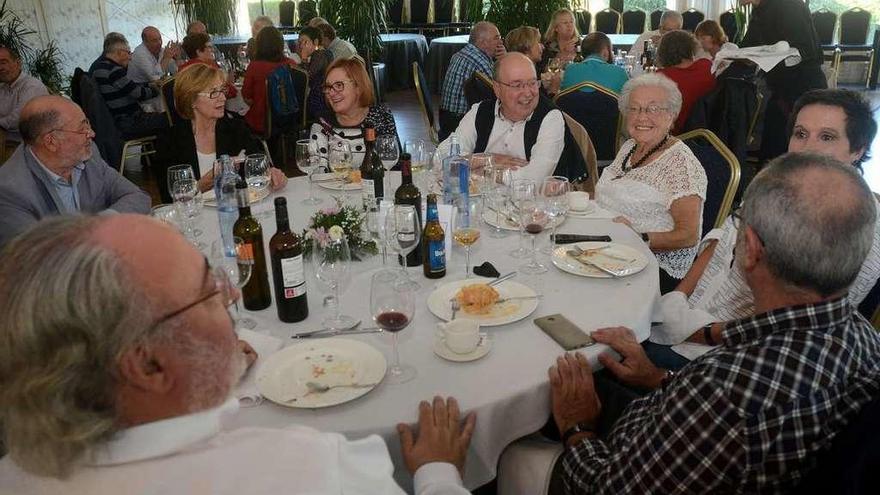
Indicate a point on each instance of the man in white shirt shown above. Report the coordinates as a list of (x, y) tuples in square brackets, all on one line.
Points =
[(150, 61), (16, 89), (122, 387), (522, 132), (670, 20)]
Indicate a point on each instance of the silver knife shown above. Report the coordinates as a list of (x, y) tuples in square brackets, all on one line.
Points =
[(334, 333), (597, 266)]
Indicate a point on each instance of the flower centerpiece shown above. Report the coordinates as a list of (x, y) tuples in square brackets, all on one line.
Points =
[(334, 223)]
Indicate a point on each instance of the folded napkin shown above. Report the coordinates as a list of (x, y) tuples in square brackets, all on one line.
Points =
[(265, 345), (766, 57), (679, 320), (486, 270)]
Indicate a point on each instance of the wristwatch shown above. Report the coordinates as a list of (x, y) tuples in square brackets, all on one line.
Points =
[(667, 378), (574, 430)]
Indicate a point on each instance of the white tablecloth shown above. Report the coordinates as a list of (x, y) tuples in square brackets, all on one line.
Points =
[(508, 388)]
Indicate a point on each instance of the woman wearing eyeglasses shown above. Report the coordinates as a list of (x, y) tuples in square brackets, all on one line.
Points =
[(349, 93), (206, 133), (269, 56), (200, 51), (655, 183)]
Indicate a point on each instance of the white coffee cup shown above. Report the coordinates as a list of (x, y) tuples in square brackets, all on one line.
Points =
[(460, 335), (578, 200)]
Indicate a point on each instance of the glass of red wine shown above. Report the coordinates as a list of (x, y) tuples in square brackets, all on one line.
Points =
[(534, 219), (392, 304)]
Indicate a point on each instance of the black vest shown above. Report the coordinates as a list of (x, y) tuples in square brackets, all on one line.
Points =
[(571, 162)]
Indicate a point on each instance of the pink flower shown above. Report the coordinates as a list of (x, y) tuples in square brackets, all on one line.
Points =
[(333, 210)]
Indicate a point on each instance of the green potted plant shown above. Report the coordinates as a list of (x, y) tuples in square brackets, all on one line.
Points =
[(360, 22), (43, 64), (218, 15)]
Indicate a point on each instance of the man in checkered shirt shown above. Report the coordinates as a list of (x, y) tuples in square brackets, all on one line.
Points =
[(483, 45), (751, 415)]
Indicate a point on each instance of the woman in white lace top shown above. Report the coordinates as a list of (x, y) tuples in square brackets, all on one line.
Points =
[(655, 183)]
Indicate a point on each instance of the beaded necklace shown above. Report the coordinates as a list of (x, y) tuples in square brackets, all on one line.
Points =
[(625, 170)]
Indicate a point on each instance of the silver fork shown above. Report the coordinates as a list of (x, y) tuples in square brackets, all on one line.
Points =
[(455, 307), (574, 254)]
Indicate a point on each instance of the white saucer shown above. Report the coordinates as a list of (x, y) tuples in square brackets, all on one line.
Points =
[(589, 210), (482, 349)]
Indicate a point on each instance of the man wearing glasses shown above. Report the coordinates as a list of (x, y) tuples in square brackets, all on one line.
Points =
[(59, 170)]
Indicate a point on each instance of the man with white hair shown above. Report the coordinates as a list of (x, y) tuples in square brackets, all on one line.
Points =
[(259, 23), (484, 45), (670, 20), (117, 359)]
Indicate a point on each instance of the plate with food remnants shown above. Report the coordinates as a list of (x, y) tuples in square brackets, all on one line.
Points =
[(599, 259), (350, 181), (504, 303), (322, 373)]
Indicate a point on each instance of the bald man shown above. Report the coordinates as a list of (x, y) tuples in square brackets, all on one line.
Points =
[(196, 27), (150, 61), (59, 171)]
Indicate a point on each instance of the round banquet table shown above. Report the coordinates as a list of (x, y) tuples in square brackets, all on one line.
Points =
[(508, 388), (442, 49)]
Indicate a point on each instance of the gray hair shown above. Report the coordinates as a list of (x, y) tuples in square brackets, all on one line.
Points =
[(479, 32), (673, 95), (113, 42), (70, 308), (671, 16), (264, 21), (811, 242), (34, 124)]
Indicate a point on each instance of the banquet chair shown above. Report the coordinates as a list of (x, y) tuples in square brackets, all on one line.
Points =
[(853, 39), (307, 10), (425, 103), (276, 127), (634, 21), (583, 18), (588, 152), (286, 13), (825, 23), (722, 174), (477, 88), (608, 21), (727, 20), (597, 112), (418, 17), (655, 19), (395, 14), (168, 98), (691, 17)]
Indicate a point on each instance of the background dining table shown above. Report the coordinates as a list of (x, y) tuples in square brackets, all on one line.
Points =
[(508, 388)]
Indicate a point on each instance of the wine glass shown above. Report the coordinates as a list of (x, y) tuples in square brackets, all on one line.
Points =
[(466, 232), (497, 195), (554, 191), (392, 305), (238, 269), (402, 232), (389, 154), (554, 65), (188, 201), (340, 158), (308, 162), (534, 219), (257, 175), (331, 259), (521, 190), (416, 150), (374, 227), (178, 172)]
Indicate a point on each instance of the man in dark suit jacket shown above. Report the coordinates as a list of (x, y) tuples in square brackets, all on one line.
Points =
[(59, 170)]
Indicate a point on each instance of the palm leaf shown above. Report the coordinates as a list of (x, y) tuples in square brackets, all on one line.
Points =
[(218, 15)]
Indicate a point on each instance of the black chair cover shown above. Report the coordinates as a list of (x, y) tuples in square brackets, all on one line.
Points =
[(691, 18), (607, 21), (634, 21), (824, 21), (599, 115)]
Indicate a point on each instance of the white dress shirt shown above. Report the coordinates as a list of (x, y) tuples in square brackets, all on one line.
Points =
[(13, 98), (194, 454), (507, 139), (145, 67)]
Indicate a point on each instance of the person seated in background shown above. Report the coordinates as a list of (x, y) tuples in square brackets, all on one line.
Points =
[(16, 89), (259, 23), (59, 170), (833, 122), (314, 60), (597, 66), (676, 56), (121, 94), (269, 56), (124, 385), (752, 416), (206, 133), (655, 182), (150, 62), (527, 40), (670, 20), (338, 46), (523, 132), (711, 38), (561, 40), (196, 27), (349, 94), (200, 50)]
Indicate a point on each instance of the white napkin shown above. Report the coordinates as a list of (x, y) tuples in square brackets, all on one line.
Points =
[(679, 320), (767, 56), (265, 345)]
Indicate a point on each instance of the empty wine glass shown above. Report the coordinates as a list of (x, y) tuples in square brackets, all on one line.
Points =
[(466, 231), (554, 191), (521, 190), (389, 153), (188, 201), (178, 172), (392, 305), (416, 150), (497, 196), (308, 161), (481, 170), (331, 259), (238, 269), (375, 228), (257, 171), (402, 232), (534, 219)]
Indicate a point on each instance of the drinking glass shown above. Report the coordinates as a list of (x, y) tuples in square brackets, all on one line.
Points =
[(238, 269), (257, 171), (308, 161), (331, 259), (392, 305), (375, 229), (402, 232), (178, 172), (554, 192), (521, 190), (497, 196), (188, 201), (534, 219), (416, 150), (389, 154), (554, 65), (340, 158), (466, 233)]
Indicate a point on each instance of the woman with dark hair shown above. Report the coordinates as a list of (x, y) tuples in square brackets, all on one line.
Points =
[(676, 55), (313, 59), (200, 50), (269, 55)]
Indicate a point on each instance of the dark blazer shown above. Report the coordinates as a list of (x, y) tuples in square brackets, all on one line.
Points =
[(178, 146)]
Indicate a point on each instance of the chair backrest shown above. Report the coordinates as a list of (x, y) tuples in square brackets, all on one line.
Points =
[(727, 20), (395, 13), (722, 173), (588, 151), (418, 11), (308, 10), (108, 139), (854, 24), (286, 13), (78, 73), (634, 21), (421, 84), (608, 21), (824, 21), (597, 112), (690, 18), (583, 18), (655, 19), (477, 88), (443, 11), (168, 98)]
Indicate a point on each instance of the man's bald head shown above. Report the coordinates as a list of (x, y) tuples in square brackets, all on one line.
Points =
[(513, 63), (196, 27), (152, 39), (40, 115)]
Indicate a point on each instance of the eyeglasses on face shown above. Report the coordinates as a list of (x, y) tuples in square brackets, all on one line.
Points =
[(336, 87), (214, 93), (650, 110), (521, 85), (84, 128), (222, 286)]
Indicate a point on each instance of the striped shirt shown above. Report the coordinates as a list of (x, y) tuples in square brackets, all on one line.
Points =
[(748, 417), (120, 93), (461, 66)]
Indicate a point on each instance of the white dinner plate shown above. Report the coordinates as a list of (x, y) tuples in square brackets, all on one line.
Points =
[(501, 314), (335, 185), (254, 196), (618, 258), (327, 362), (491, 218)]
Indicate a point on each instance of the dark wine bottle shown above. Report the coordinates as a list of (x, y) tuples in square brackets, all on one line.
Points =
[(408, 194), (372, 171), (285, 251), (255, 294), (433, 242)]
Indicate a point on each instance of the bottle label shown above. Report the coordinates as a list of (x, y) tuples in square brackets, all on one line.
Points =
[(437, 255), (293, 276), (245, 253), (368, 192)]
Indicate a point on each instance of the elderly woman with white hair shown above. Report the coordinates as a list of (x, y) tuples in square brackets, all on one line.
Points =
[(655, 183)]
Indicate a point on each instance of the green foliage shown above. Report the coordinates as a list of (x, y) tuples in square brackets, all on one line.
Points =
[(360, 22), (46, 65), (647, 5), (510, 14), (43, 64), (218, 15)]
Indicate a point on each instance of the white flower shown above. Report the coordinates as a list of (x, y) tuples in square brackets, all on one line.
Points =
[(336, 232)]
